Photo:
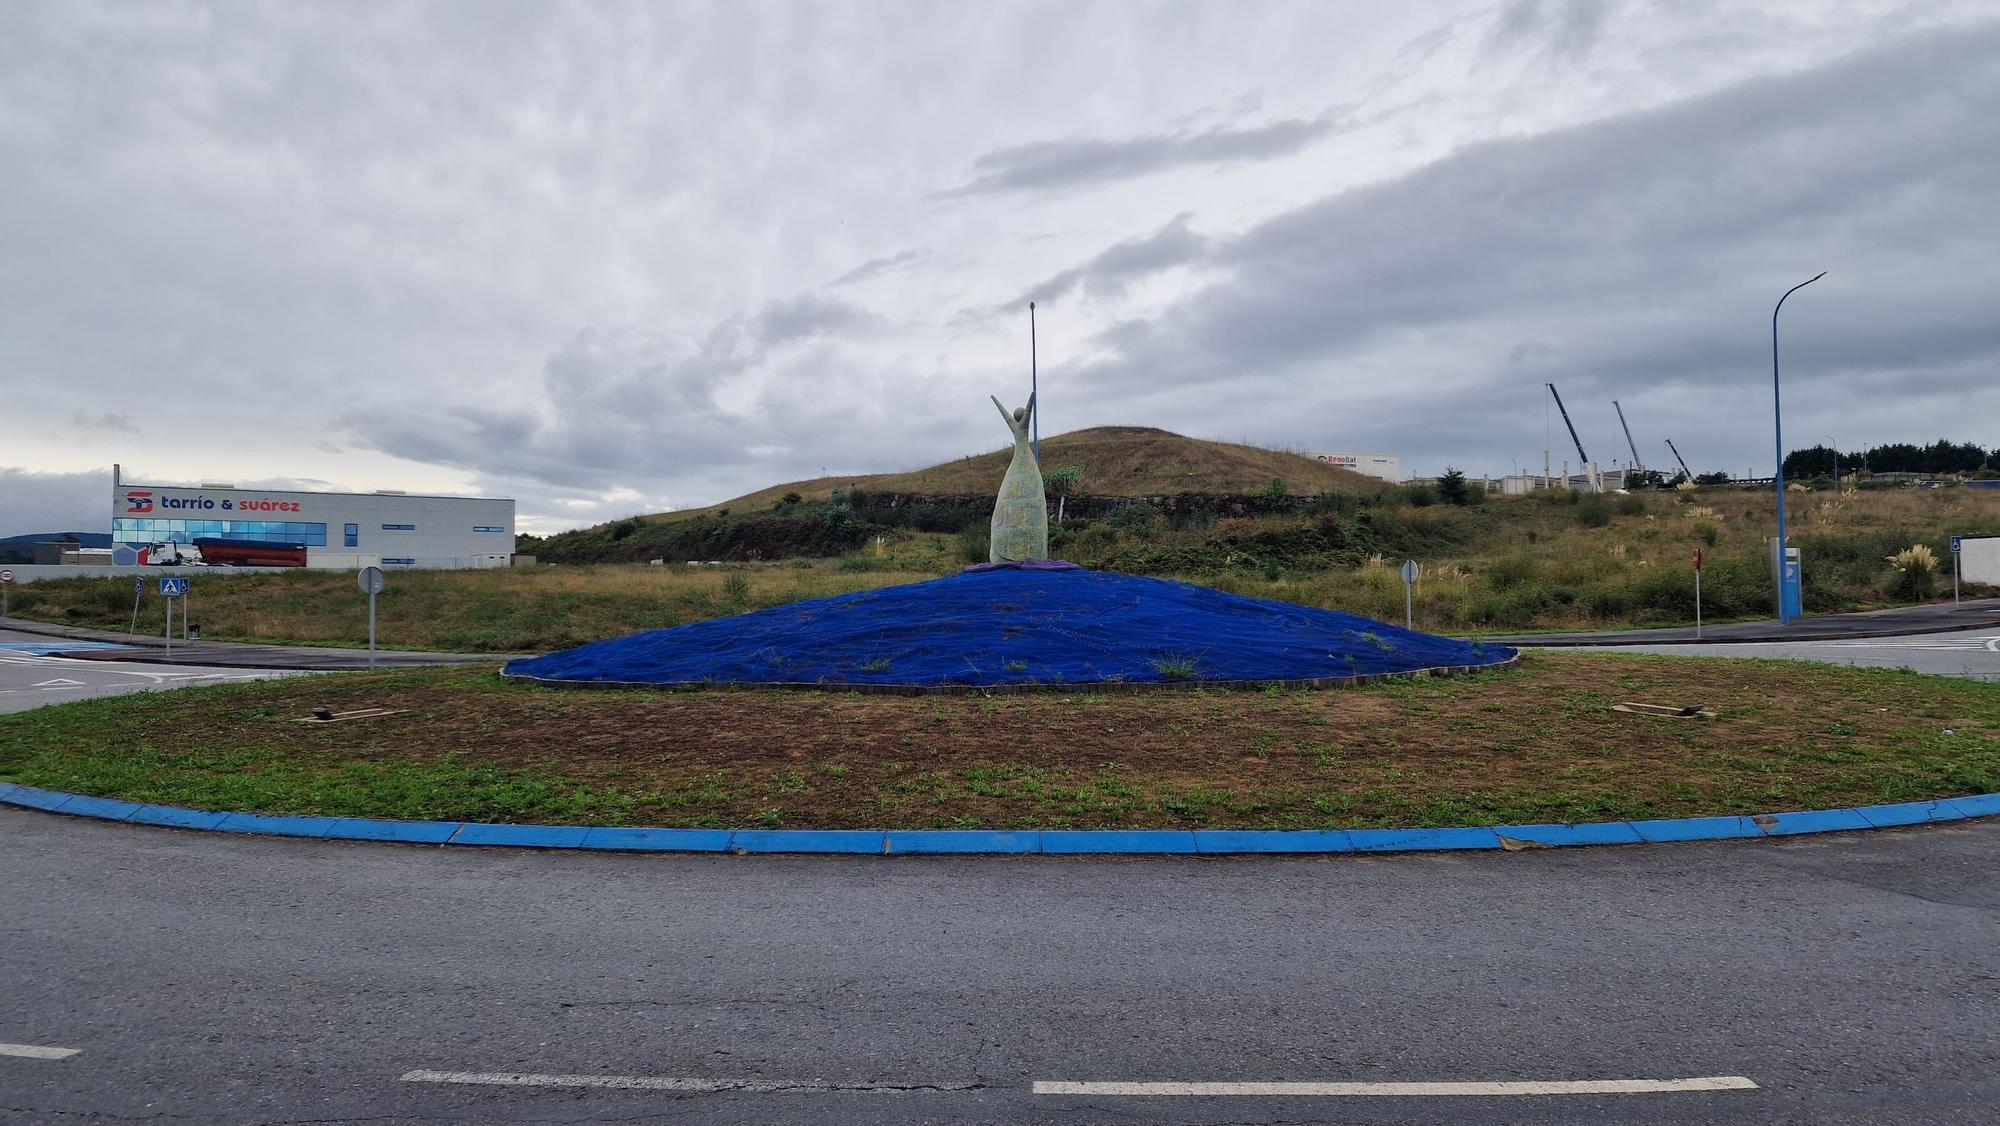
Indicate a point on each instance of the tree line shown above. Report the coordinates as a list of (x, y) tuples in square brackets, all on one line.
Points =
[(1939, 458)]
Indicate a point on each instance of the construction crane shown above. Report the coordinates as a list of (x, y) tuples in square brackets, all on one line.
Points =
[(1636, 463), (1685, 471), (1589, 471)]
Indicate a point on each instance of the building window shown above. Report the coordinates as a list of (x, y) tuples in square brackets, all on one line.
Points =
[(351, 535), (399, 528), (398, 562), (487, 528)]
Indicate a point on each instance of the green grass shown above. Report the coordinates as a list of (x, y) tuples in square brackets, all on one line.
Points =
[(1529, 744)]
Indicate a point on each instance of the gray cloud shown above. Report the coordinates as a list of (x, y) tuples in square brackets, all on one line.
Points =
[(878, 267), (1562, 29), (1047, 166), (107, 420), (54, 502), (1110, 272), (1637, 257)]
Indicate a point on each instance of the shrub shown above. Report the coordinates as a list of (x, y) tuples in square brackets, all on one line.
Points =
[(1421, 496), (624, 529), (975, 543), (1276, 497), (1707, 533), (736, 588), (1631, 506), (1451, 487), (1915, 574), (1512, 571), (1592, 511)]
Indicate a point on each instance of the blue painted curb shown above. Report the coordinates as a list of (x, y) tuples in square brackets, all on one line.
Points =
[(1044, 842)]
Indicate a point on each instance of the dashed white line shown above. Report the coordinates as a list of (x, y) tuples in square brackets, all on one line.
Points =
[(676, 1083), (37, 1051), (1427, 1090)]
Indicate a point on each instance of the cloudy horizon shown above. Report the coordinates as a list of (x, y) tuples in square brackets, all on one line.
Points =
[(616, 258)]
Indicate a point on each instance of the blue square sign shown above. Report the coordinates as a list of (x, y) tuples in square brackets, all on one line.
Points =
[(172, 588), (1954, 544)]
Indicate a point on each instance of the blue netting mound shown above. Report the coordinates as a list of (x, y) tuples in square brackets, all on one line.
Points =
[(1014, 626)]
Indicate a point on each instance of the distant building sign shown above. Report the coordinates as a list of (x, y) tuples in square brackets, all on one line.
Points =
[(1388, 467)]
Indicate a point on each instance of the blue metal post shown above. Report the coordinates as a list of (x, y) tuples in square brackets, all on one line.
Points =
[(1034, 389), (1778, 432)]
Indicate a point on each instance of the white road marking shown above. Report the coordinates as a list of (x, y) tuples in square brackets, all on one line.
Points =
[(674, 1083), (37, 1052), (1431, 1090)]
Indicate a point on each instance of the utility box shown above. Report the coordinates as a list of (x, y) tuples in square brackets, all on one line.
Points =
[(1979, 560), (1786, 570)]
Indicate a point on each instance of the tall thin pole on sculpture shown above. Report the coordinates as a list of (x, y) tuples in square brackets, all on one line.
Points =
[(1034, 379)]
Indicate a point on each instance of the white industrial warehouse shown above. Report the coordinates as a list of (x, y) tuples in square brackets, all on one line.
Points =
[(219, 523)]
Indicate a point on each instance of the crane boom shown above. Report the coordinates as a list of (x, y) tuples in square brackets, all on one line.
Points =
[(1581, 456), (1636, 463), (1677, 457)]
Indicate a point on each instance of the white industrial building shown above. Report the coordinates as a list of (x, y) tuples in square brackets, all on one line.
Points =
[(1388, 467), (337, 530)]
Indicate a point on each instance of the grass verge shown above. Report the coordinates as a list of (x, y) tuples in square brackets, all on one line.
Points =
[(1533, 743)]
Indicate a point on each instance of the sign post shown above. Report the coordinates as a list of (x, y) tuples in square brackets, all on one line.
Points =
[(370, 582), (138, 588), (1697, 594), (1410, 572), (170, 589), (1954, 567), (7, 583)]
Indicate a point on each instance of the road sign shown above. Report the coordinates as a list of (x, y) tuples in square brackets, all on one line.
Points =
[(8, 576), (138, 586), (1410, 570), (370, 582), (1697, 559), (173, 588), (1954, 548)]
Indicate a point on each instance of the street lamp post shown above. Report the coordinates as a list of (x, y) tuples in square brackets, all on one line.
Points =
[(1778, 435), (1835, 447)]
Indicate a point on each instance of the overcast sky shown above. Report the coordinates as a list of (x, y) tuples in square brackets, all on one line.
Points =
[(611, 258)]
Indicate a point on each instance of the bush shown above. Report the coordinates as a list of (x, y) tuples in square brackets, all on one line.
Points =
[(736, 588), (1592, 511), (1451, 487), (975, 544), (1631, 506), (1707, 533), (1276, 497), (1513, 571)]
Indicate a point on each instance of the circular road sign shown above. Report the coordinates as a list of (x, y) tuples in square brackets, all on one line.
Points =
[(1410, 572), (6, 576), (370, 580)]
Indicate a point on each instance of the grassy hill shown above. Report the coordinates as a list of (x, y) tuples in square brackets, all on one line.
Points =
[(1117, 461)]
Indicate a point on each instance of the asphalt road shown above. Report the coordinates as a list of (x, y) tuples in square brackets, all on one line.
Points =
[(30, 678), (204, 978), (1973, 653)]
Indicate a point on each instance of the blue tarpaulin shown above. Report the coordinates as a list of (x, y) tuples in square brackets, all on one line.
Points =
[(1014, 625)]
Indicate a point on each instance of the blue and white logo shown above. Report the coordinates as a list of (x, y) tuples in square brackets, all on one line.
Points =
[(173, 588), (1954, 544)]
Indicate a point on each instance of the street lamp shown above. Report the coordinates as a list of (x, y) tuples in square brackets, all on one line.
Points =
[(1778, 434), (1835, 447)]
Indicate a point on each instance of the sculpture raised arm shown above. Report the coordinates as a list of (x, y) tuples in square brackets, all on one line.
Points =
[(1019, 419)]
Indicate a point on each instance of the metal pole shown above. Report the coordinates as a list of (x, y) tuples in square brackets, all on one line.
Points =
[(1034, 384), (371, 629), (170, 625), (1697, 603), (1778, 437), (1954, 578), (1836, 461), (1409, 594), (138, 588)]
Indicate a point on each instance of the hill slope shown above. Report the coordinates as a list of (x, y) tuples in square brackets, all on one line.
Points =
[(1117, 461)]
